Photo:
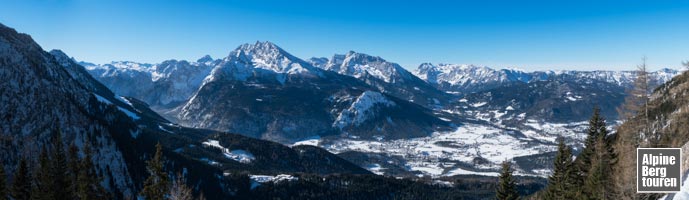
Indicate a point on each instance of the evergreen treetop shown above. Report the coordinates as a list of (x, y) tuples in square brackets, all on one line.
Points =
[(88, 181), (157, 184), (21, 186), (3, 182), (562, 183), (507, 187)]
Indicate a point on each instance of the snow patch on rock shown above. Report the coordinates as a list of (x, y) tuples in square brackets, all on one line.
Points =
[(257, 180), (238, 155), (362, 109)]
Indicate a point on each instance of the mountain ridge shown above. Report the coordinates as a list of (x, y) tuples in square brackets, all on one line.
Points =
[(471, 78)]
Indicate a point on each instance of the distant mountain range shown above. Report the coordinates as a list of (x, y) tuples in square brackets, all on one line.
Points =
[(260, 90), (170, 87), (465, 79)]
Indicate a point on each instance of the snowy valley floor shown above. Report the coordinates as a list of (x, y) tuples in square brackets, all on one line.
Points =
[(471, 149)]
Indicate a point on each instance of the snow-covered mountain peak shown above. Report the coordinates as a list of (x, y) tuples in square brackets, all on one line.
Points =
[(261, 51), (128, 65), (318, 62), (359, 64), (205, 59), (665, 74), (356, 57), (268, 56), (389, 77), (261, 60), (426, 66), (336, 60), (466, 67), (259, 46), (458, 74)]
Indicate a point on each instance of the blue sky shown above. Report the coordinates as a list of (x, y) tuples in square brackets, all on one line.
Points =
[(532, 35)]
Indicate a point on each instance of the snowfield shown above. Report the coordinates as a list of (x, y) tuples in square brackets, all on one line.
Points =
[(256, 180), (312, 141), (125, 111), (238, 155), (683, 191)]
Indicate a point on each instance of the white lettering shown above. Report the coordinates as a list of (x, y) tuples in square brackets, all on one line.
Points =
[(650, 159)]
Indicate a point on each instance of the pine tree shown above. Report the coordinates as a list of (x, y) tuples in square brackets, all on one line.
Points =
[(157, 184), (88, 181), (179, 190), (21, 186), (507, 186), (598, 183), (3, 183), (561, 184), (43, 186), (583, 161), (73, 166), (59, 170)]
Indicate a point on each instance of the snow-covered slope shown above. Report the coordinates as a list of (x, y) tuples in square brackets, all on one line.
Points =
[(362, 109)]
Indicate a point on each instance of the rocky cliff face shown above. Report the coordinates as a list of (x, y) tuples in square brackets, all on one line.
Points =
[(41, 97)]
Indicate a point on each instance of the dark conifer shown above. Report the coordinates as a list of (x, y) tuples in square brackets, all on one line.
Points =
[(3, 183), (507, 187), (21, 186), (583, 161), (59, 171), (73, 166), (43, 178), (157, 184), (598, 183), (561, 184), (88, 181)]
